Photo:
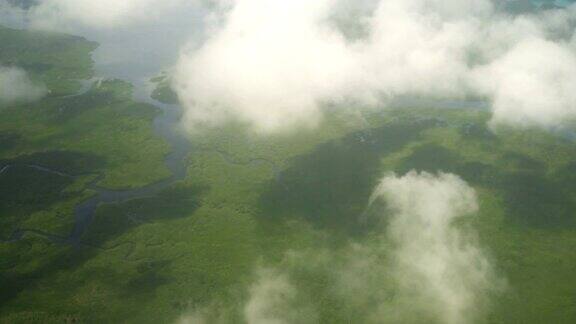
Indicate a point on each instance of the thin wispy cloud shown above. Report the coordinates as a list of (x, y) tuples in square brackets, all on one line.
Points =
[(16, 87), (423, 265), (440, 269)]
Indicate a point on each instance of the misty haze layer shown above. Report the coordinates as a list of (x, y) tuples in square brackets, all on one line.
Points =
[(137, 38), (71, 14), (16, 87), (275, 63)]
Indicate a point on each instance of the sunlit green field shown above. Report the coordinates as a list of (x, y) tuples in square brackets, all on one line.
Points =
[(249, 200)]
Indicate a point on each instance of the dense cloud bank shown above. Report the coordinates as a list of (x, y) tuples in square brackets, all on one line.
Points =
[(276, 63), (16, 87), (422, 266)]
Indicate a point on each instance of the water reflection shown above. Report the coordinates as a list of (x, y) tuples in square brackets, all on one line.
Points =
[(134, 52)]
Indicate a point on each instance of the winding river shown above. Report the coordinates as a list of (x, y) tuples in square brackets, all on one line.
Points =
[(135, 55), (166, 125)]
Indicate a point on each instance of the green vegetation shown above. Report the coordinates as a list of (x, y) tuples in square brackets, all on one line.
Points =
[(52, 150), (57, 60), (36, 199), (163, 91), (248, 200), (197, 243), (527, 217), (103, 122)]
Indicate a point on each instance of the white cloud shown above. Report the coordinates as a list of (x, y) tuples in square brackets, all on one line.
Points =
[(532, 84), (16, 87), (274, 63), (271, 299), (269, 65), (274, 300), (206, 315), (423, 265), (439, 268)]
